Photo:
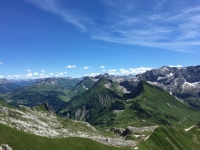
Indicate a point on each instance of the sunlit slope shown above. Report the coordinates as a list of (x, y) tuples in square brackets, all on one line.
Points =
[(172, 139), (146, 105)]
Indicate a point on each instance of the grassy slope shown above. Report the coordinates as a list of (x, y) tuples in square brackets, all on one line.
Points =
[(160, 104), (172, 139), (152, 104), (91, 99), (19, 140)]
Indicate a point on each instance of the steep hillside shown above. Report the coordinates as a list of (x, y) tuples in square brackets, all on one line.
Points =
[(82, 86), (154, 105), (172, 139), (43, 122), (146, 105), (91, 102)]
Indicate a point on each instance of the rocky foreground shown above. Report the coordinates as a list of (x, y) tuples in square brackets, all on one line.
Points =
[(49, 125)]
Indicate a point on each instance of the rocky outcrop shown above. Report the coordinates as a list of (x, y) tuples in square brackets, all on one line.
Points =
[(5, 147), (182, 82), (174, 79), (117, 130), (48, 125), (49, 108), (132, 130)]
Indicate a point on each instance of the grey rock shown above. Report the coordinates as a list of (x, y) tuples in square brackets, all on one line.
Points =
[(5, 147)]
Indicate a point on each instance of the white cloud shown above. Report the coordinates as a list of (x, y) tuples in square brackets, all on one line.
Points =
[(29, 75), (1, 76), (112, 71), (178, 66), (86, 67), (9, 77), (43, 71), (61, 74), (69, 66), (104, 70), (102, 67), (16, 76), (1, 63), (43, 75), (134, 70), (51, 74), (36, 74), (123, 71), (92, 74), (28, 70)]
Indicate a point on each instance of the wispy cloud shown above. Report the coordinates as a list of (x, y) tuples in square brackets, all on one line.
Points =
[(28, 70), (1, 63), (75, 17), (177, 29), (70, 67), (154, 24)]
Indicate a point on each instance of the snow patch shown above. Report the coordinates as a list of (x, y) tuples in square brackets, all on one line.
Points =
[(189, 128), (154, 83), (147, 137), (189, 85)]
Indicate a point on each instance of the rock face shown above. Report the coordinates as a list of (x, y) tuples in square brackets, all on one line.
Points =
[(182, 82), (5, 147), (130, 130), (49, 108), (173, 79)]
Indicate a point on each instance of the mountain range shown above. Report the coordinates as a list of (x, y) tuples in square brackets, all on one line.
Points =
[(159, 102)]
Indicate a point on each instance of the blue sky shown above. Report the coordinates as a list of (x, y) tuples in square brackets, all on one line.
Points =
[(44, 38)]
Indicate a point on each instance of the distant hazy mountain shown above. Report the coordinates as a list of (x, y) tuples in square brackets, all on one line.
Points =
[(7, 85), (54, 91)]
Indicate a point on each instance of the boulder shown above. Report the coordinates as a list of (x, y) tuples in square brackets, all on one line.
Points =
[(5, 147)]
